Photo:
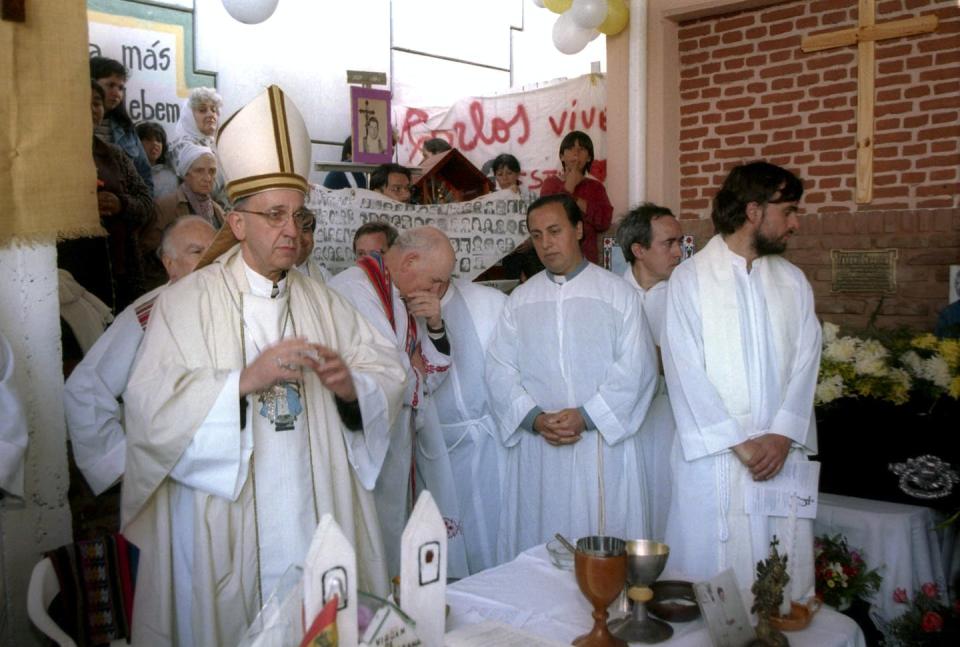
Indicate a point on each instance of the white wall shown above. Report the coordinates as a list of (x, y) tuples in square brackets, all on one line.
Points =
[(307, 46), (30, 320)]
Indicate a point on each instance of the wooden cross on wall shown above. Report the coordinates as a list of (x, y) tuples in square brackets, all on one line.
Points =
[(865, 34)]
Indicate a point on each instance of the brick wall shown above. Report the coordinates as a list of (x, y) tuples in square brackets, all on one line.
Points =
[(748, 92)]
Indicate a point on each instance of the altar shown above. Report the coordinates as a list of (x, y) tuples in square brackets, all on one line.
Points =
[(532, 594)]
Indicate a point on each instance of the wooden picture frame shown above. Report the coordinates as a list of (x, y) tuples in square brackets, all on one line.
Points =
[(370, 125)]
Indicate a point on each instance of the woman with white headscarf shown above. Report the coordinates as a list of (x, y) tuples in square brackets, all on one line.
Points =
[(197, 170), (199, 120)]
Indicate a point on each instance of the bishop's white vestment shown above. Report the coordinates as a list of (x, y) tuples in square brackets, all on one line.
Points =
[(575, 341), (656, 436), (221, 499), (13, 427), (314, 270), (471, 312), (91, 396), (741, 352), (416, 440)]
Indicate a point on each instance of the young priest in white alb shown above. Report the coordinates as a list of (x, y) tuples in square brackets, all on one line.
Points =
[(571, 371), (741, 352)]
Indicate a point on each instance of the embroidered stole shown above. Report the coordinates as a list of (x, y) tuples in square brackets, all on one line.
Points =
[(379, 276), (720, 313)]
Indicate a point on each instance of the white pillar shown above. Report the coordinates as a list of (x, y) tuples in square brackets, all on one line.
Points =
[(30, 320), (637, 106)]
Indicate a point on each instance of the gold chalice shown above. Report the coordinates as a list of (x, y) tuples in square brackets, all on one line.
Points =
[(645, 562), (601, 566)]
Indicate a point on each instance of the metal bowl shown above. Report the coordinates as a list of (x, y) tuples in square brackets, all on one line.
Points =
[(601, 546)]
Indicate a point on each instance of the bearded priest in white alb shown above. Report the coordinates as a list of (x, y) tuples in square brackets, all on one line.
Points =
[(741, 351), (260, 401), (471, 313), (399, 293), (649, 236), (571, 371)]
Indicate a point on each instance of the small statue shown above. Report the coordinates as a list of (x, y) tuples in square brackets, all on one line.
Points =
[(772, 579)]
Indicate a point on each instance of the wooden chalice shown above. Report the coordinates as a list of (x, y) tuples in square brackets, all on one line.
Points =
[(601, 567)]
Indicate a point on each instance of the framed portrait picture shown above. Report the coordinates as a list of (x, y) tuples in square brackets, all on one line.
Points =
[(370, 125)]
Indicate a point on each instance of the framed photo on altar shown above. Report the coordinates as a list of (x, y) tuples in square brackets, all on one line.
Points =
[(370, 125), (723, 611)]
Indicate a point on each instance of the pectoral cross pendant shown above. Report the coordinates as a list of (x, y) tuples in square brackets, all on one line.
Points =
[(280, 404)]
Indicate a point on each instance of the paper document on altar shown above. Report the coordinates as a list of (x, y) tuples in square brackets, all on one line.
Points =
[(495, 634), (797, 478)]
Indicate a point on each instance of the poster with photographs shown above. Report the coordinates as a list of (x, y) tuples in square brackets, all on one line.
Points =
[(481, 231)]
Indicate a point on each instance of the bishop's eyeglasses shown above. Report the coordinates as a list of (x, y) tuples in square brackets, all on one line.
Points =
[(279, 216)]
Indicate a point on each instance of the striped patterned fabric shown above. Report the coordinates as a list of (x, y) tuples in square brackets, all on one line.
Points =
[(96, 578)]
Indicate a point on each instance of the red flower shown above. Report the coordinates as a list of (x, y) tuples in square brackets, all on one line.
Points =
[(932, 622), (930, 590), (900, 596)]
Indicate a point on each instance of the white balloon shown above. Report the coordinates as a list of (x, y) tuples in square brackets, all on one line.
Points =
[(539, 3), (589, 14), (568, 36), (250, 11)]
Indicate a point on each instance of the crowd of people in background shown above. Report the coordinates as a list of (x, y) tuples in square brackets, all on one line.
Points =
[(584, 402)]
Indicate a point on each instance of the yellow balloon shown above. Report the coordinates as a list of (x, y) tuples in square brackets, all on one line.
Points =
[(617, 17), (557, 6)]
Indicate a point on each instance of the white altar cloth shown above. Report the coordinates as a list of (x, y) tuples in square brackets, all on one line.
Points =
[(532, 594), (901, 540)]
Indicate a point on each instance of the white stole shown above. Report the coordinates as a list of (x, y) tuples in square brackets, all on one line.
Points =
[(285, 504), (720, 312)]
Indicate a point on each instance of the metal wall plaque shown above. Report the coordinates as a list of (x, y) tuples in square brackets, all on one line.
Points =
[(859, 270), (361, 77)]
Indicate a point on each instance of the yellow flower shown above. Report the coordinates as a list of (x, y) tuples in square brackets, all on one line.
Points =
[(928, 341), (954, 390), (950, 349)]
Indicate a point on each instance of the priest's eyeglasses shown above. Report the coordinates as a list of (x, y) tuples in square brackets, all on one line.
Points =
[(279, 217)]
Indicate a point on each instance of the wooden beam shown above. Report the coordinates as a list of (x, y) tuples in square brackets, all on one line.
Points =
[(866, 64), (869, 33)]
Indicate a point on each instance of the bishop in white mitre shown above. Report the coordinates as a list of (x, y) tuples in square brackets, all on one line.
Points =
[(260, 401)]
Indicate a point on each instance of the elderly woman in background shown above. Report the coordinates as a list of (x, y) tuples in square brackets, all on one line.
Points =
[(197, 168), (116, 126), (199, 119), (154, 141), (110, 268)]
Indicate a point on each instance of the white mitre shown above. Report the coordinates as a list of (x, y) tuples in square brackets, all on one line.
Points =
[(262, 146)]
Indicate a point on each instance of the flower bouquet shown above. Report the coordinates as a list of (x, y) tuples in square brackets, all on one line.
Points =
[(841, 574), (856, 367), (927, 622)]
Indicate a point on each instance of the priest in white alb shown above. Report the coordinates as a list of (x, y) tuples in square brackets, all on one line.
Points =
[(91, 393), (471, 313), (571, 370), (399, 293), (649, 236), (260, 401), (741, 352), (13, 427)]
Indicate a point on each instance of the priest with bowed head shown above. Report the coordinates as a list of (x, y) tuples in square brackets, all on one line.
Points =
[(741, 351), (260, 401), (571, 371)]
